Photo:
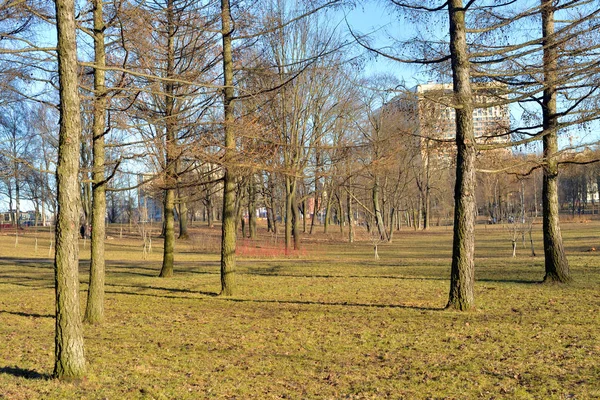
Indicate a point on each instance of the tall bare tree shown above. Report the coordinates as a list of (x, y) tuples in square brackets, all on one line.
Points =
[(69, 348), (228, 240), (94, 311), (555, 260)]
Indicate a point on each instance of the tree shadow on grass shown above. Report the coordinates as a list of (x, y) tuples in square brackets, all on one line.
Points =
[(24, 373), (343, 304), (238, 300), (24, 314), (519, 281), (27, 262), (267, 273), (171, 290)]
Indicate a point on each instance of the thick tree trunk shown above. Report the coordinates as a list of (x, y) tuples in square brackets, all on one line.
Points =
[(463, 249), (94, 311), (169, 241), (69, 349), (228, 238), (557, 265), (170, 151)]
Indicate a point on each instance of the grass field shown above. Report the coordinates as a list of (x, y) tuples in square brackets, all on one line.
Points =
[(329, 322)]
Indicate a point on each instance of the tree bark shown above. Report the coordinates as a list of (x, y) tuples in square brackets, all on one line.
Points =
[(462, 275), (94, 311), (349, 214), (377, 209), (252, 208), (170, 151), (228, 238), (556, 263), (69, 349), (183, 218), (290, 205), (327, 216), (295, 218)]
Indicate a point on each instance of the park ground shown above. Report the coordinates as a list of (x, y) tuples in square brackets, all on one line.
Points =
[(326, 322)]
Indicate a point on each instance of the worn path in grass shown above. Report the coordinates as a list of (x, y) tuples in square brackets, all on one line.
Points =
[(328, 323)]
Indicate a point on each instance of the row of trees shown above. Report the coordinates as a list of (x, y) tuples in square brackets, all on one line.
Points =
[(261, 104)]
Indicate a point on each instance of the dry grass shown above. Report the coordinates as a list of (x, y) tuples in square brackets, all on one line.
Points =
[(330, 322)]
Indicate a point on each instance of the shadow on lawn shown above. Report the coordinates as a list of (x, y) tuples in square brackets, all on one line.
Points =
[(24, 314), (519, 281), (298, 302), (344, 304), (267, 272), (28, 262), (23, 373), (172, 290)]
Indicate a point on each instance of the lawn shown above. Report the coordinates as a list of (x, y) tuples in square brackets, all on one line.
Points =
[(327, 322)]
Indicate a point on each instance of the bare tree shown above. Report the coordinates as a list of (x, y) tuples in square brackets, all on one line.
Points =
[(69, 352)]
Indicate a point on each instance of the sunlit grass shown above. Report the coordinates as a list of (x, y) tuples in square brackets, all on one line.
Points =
[(330, 322)]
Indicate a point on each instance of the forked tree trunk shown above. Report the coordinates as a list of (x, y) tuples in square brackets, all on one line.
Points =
[(462, 274), (94, 311), (69, 349), (228, 238), (556, 263)]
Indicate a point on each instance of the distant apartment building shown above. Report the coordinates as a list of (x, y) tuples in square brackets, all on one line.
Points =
[(436, 118)]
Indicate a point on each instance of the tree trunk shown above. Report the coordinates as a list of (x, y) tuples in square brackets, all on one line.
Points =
[(557, 266), (17, 198), (349, 214), (228, 238), (289, 209), (94, 310), (392, 217), (340, 213), (170, 153), (169, 239), (327, 216), (252, 208), (462, 275), (69, 349), (315, 199), (183, 218), (209, 210), (295, 218), (377, 209), (304, 208)]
